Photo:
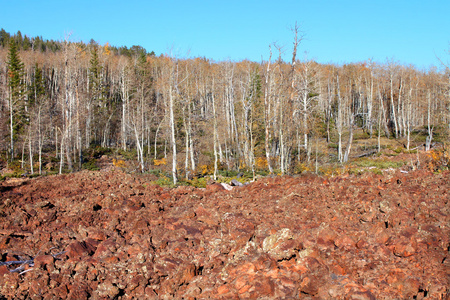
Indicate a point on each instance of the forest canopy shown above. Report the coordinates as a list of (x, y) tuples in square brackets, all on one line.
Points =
[(61, 99)]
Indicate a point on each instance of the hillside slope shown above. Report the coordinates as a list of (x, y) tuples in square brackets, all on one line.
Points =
[(111, 235)]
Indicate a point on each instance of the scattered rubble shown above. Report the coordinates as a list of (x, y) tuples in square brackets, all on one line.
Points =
[(118, 237)]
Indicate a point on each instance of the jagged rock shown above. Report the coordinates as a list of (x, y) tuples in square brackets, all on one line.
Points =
[(234, 182), (227, 186), (308, 237)]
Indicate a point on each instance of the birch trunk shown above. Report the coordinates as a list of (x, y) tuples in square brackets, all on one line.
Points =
[(39, 140), (30, 154), (430, 128), (215, 135), (11, 127), (350, 139), (393, 107), (172, 136), (370, 105), (267, 109), (339, 121), (191, 142)]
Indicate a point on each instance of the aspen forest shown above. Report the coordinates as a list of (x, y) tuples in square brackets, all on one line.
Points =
[(61, 101)]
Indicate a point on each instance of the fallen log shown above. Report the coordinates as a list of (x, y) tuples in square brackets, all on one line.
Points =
[(367, 154), (25, 262)]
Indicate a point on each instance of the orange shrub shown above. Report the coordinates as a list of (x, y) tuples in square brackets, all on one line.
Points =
[(159, 162)]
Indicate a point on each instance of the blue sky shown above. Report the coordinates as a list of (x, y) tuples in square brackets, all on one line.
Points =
[(408, 31)]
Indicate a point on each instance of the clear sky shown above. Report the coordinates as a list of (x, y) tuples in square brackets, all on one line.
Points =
[(341, 31)]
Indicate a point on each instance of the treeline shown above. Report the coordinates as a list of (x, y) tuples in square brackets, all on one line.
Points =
[(231, 115), (37, 43)]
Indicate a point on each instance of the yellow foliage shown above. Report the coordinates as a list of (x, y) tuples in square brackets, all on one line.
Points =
[(242, 164), (331, 171), (438, 159), (159, 162), (106, 49), (118, 163), (204, 169), (81, 51), (261, 162), (302, 167)]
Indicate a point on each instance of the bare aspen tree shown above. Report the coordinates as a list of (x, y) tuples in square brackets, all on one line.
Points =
[(67, 104), (306, 94), (191, 140), (171, 91), (230, 113), (328, 111), (408, 115), (429, 126), (399, 106), (187, 101), (351, 120), (392, 108), (216, 157), (369, 120), (339, 118), (124, 84), (267, 112), (279, 100)]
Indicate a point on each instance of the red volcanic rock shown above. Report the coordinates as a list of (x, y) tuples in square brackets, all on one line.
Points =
[(3, 270), (349, 237), (41, 261), (96, 234), (405, 247), (344, 241), (78, 249)]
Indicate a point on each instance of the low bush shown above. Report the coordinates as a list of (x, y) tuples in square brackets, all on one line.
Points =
[(90, 165), (438, 160), (379, 163)]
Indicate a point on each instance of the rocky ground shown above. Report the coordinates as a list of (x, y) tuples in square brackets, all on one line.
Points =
[(111, 235)]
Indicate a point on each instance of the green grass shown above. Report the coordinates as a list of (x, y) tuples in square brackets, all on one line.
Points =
[(380, 164)]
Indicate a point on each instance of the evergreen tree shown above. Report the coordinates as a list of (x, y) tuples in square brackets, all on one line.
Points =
[(26, 43), (16, 87), (19, 39), (97, 106), (4, 38), (95, 70), (37, 88)]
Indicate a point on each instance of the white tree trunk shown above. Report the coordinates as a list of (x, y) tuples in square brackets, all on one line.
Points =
[(267, 113), (393, 106), (172, 136), (430, 128), (339, 120), (11, 126)]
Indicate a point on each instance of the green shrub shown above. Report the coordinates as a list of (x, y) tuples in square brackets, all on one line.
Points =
[(198, 182), (398, 150), (128, 155), (380, 164), (376, 171), (156, 172), (165, 181), (228, 173), (90, 165)]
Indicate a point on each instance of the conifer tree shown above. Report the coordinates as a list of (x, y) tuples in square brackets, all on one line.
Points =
[(16, 87), (95, 70), (96, 107), (36, 100), (4, 38), (37, 88)]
